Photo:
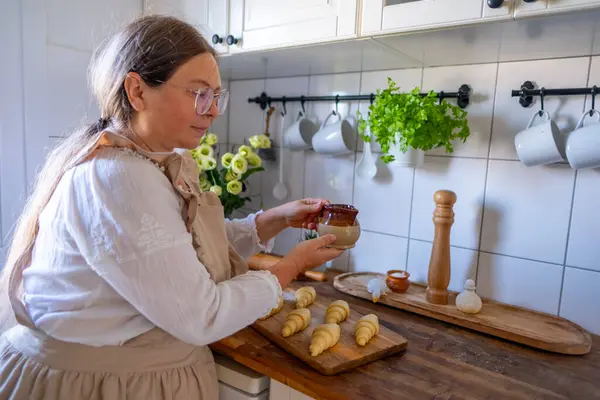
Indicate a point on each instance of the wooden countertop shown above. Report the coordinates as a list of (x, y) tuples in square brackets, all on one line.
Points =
[(443, 361)]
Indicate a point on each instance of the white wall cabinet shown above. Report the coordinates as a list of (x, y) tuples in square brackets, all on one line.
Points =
[(388, 16), (537, 7), (263, 24), (247, 25), (210, 17)]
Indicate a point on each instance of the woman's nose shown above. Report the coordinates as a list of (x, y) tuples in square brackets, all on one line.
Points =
[(213, 111)]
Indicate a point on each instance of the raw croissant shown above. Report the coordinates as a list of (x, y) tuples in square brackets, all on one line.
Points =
[(337, 312), (274, 310), (366, 328), (323, 337), (305, 296), (295, 321)]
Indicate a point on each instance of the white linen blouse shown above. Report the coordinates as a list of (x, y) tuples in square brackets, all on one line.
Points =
[(113, 259)]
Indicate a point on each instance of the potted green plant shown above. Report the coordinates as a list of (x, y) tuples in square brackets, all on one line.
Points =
[(309, 234), (407, 124), (229, 181)]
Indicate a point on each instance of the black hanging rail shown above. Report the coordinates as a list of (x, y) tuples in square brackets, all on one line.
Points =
[(528, 91), (462, 97)]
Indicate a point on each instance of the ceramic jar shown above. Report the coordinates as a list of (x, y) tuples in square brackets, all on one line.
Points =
[(397, 280), (340, 220)]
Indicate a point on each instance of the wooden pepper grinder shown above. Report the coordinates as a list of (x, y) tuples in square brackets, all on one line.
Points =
[(439, 263)]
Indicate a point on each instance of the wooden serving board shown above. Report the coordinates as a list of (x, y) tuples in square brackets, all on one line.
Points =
[(532, 328), (344, 355)]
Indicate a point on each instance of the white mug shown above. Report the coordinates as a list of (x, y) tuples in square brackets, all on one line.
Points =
[(336, 138), (583, 144), (299, 135), (540, 144)]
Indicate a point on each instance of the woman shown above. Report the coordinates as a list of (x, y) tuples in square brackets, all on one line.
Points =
[(128, 270)]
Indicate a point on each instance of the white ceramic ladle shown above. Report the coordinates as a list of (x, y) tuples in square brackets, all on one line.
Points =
[(280, 192), (366, 167)]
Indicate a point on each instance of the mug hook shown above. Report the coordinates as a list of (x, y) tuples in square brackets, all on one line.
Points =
[(542, 94), (441, 96), (302, 101), (371, 100), (284, 112), (337, 101), (594, 93)]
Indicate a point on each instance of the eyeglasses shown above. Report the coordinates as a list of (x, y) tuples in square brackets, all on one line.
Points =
[(205, 98)]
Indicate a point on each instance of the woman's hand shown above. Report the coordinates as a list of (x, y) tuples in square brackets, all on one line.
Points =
[(305, 256), (296, 214), (312, 253), (302, 213)]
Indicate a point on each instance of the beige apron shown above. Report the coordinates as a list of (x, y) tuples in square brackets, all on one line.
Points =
[(153, 365)]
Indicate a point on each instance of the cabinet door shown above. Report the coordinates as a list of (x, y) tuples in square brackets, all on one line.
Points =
[(553, 6), (210, 17), (262, 24), (385, 16)]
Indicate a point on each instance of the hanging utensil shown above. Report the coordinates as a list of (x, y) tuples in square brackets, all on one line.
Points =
[(267, 154), (280, 192), (366, 167)]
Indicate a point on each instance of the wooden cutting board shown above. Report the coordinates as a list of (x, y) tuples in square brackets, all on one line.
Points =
[(532, 328), (344, 355)]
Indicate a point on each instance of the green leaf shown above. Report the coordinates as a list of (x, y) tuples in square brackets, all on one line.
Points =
[(412, 120)]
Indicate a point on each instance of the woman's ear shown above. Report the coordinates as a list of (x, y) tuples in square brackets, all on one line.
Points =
[(134, 87)]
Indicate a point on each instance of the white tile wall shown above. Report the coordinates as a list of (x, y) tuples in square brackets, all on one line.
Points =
[(583, 251), (527, 210), (580, 298), (82, 25), (245, 119), (13, 185), (527, 235), (525, 283), (69, 101), (390, 253), (390, 190), (331, 178)]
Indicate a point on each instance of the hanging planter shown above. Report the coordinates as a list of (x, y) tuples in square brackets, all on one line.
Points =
[(411, 158), (407, 124)]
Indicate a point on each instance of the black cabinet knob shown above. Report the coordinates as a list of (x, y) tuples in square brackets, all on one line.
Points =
[(231, 40), (529, 1), (495, 3), (216, 39)]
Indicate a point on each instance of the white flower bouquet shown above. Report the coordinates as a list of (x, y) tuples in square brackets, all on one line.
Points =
[(229, 181)]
